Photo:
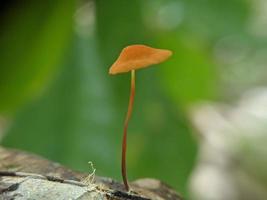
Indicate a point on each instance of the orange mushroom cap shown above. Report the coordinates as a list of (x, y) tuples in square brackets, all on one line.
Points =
[(138, 56)]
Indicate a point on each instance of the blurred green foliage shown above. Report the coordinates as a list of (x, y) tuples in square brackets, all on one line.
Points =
[(79, 116), (33, 37)]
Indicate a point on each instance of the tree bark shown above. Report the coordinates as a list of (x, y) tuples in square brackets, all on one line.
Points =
[(28, 176)]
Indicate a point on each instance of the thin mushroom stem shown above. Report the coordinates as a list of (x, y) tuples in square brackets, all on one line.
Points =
[(124, 140)]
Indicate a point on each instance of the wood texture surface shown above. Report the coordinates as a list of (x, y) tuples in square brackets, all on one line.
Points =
[(27, 176)]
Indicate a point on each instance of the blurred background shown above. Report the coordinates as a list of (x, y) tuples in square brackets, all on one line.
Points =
[(58, 100)]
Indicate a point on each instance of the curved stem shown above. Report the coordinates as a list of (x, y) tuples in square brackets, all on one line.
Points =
[(124, 140)]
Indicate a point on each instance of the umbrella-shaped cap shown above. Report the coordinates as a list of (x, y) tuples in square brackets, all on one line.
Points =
[(138, 56)]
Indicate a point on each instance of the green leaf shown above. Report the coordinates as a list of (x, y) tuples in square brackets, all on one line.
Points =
[(190, 75), (33, 38)]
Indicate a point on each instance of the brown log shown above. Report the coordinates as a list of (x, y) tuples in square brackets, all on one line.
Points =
[(27, 176)]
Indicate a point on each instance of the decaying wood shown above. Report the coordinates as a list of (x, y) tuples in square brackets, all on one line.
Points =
[(27, 176)]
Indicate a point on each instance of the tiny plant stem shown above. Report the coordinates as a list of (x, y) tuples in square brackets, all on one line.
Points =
[(124, 141)]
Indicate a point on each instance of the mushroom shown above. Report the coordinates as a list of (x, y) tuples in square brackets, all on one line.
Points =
[(131, 58)]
